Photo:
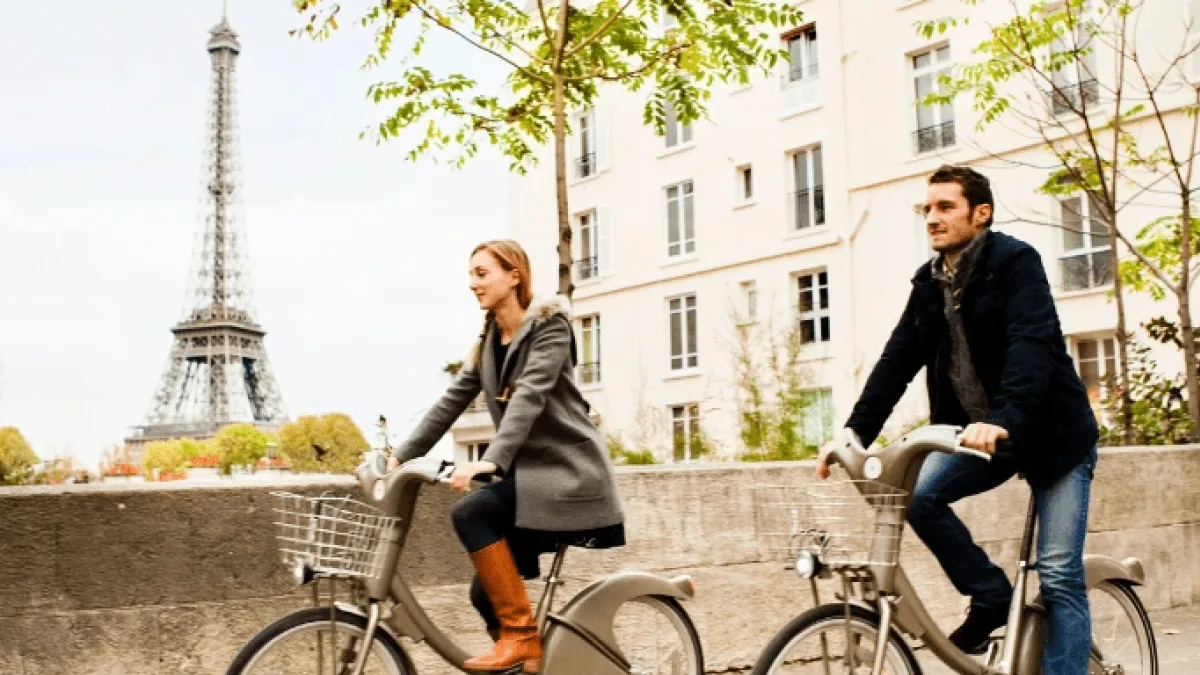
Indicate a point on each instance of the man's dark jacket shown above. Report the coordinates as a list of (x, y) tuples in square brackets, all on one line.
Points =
[(1018, 351)]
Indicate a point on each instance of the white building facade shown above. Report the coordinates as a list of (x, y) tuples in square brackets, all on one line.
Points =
[(792, 205)]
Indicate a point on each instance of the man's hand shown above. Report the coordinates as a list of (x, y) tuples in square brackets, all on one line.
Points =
[(823, 459), (982, 437), (463, 473), (392, 462)]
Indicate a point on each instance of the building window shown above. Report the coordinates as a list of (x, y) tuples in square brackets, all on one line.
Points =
[(476, 451), (935, 124), (594, 234), (585, 140), (807, 201), (1086, 244), (687, 443), (677, 134), (682, 311), (816, 417), (812, 307), (681, 220), (802, 48), (801, 82), (748, 305), (588, 245), (744, 189), (1096, 359), (1074, 86), (589, 366)]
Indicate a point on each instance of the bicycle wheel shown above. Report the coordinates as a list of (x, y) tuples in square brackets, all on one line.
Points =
[(657, 637), (307, 642), (1122, 637), (815, 642)]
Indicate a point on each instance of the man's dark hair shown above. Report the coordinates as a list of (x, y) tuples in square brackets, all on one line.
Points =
[(975, 186)]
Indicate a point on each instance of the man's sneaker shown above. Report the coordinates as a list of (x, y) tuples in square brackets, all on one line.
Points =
[(972, 637)]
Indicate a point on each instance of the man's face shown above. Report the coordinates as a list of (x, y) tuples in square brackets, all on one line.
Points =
[(949, 219)]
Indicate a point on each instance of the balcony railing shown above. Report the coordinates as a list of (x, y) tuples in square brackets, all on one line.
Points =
[(1074, 97), (798, 72), (589, 268), (589, 372), (585, 165), (806, 208), (799, 94), (934, 137)]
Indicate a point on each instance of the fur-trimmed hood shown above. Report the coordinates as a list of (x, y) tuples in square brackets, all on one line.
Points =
[(541, 308)]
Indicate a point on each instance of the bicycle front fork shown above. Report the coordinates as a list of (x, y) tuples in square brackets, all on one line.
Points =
[(886, 611), (364, 650)]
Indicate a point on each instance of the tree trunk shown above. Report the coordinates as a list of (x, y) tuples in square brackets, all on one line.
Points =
[(1187, 333), (1122, 338), (565, 286)]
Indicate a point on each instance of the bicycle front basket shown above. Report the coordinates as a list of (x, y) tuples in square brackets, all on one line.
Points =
[(334, 536)]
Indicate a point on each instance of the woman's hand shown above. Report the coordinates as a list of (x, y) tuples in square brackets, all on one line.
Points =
[(463, 473)]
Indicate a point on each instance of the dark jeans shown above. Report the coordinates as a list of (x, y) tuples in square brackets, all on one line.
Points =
[(1062, 524), (484, 517)]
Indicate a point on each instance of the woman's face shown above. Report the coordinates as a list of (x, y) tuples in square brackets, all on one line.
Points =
[(489, 282)]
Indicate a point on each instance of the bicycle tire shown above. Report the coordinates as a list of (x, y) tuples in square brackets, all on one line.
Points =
[(831, 613), (317, 615), (1124, 590), (685, 621)]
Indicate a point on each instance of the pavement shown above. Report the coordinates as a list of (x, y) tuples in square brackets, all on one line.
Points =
[(1177, 632)]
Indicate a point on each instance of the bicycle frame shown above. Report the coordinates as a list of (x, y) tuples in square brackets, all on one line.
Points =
[(579, 638), (1020, 652)]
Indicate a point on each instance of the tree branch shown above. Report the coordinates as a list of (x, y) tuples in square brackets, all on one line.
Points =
[(484, 48), (599, 31)]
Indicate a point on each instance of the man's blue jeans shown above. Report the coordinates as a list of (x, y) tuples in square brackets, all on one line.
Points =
[(1062, 524)]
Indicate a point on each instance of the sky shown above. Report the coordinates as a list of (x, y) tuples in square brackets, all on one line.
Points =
[(357, 256)]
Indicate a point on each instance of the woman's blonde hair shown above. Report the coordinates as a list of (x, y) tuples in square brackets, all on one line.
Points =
[(512, 258)]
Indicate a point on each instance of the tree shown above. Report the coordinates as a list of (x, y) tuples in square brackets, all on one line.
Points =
[(340, 440), (557, 56), (769, 382), (169, 457), (17, 459), (240, 445), (1036, 76)]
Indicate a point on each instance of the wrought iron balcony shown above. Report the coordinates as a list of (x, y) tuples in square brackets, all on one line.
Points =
[(589, 268), (1074, 97), (934, 137), (806, 208), (589, 372), (585, 165)]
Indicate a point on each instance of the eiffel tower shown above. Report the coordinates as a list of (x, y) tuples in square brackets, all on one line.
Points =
[(218, 371)]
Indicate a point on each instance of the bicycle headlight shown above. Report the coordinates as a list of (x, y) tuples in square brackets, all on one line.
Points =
[(302, 572), (808, 565)]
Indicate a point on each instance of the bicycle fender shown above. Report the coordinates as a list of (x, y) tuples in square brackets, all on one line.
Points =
[(577, 637), (1098, 568)]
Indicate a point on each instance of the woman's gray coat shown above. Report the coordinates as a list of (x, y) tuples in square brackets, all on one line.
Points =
[(565, 480)]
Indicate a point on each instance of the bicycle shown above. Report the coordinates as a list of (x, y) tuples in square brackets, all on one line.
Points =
[(358, 544), (827, 529)]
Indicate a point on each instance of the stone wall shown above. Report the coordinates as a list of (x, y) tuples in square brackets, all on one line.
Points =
[(170, 579)]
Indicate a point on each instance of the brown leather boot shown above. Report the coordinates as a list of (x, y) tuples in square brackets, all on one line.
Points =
[(519, 643)]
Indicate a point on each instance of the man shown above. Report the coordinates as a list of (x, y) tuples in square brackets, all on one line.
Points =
[(981, 320)]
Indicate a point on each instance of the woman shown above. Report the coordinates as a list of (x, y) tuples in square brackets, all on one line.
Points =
[(558, 486)]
